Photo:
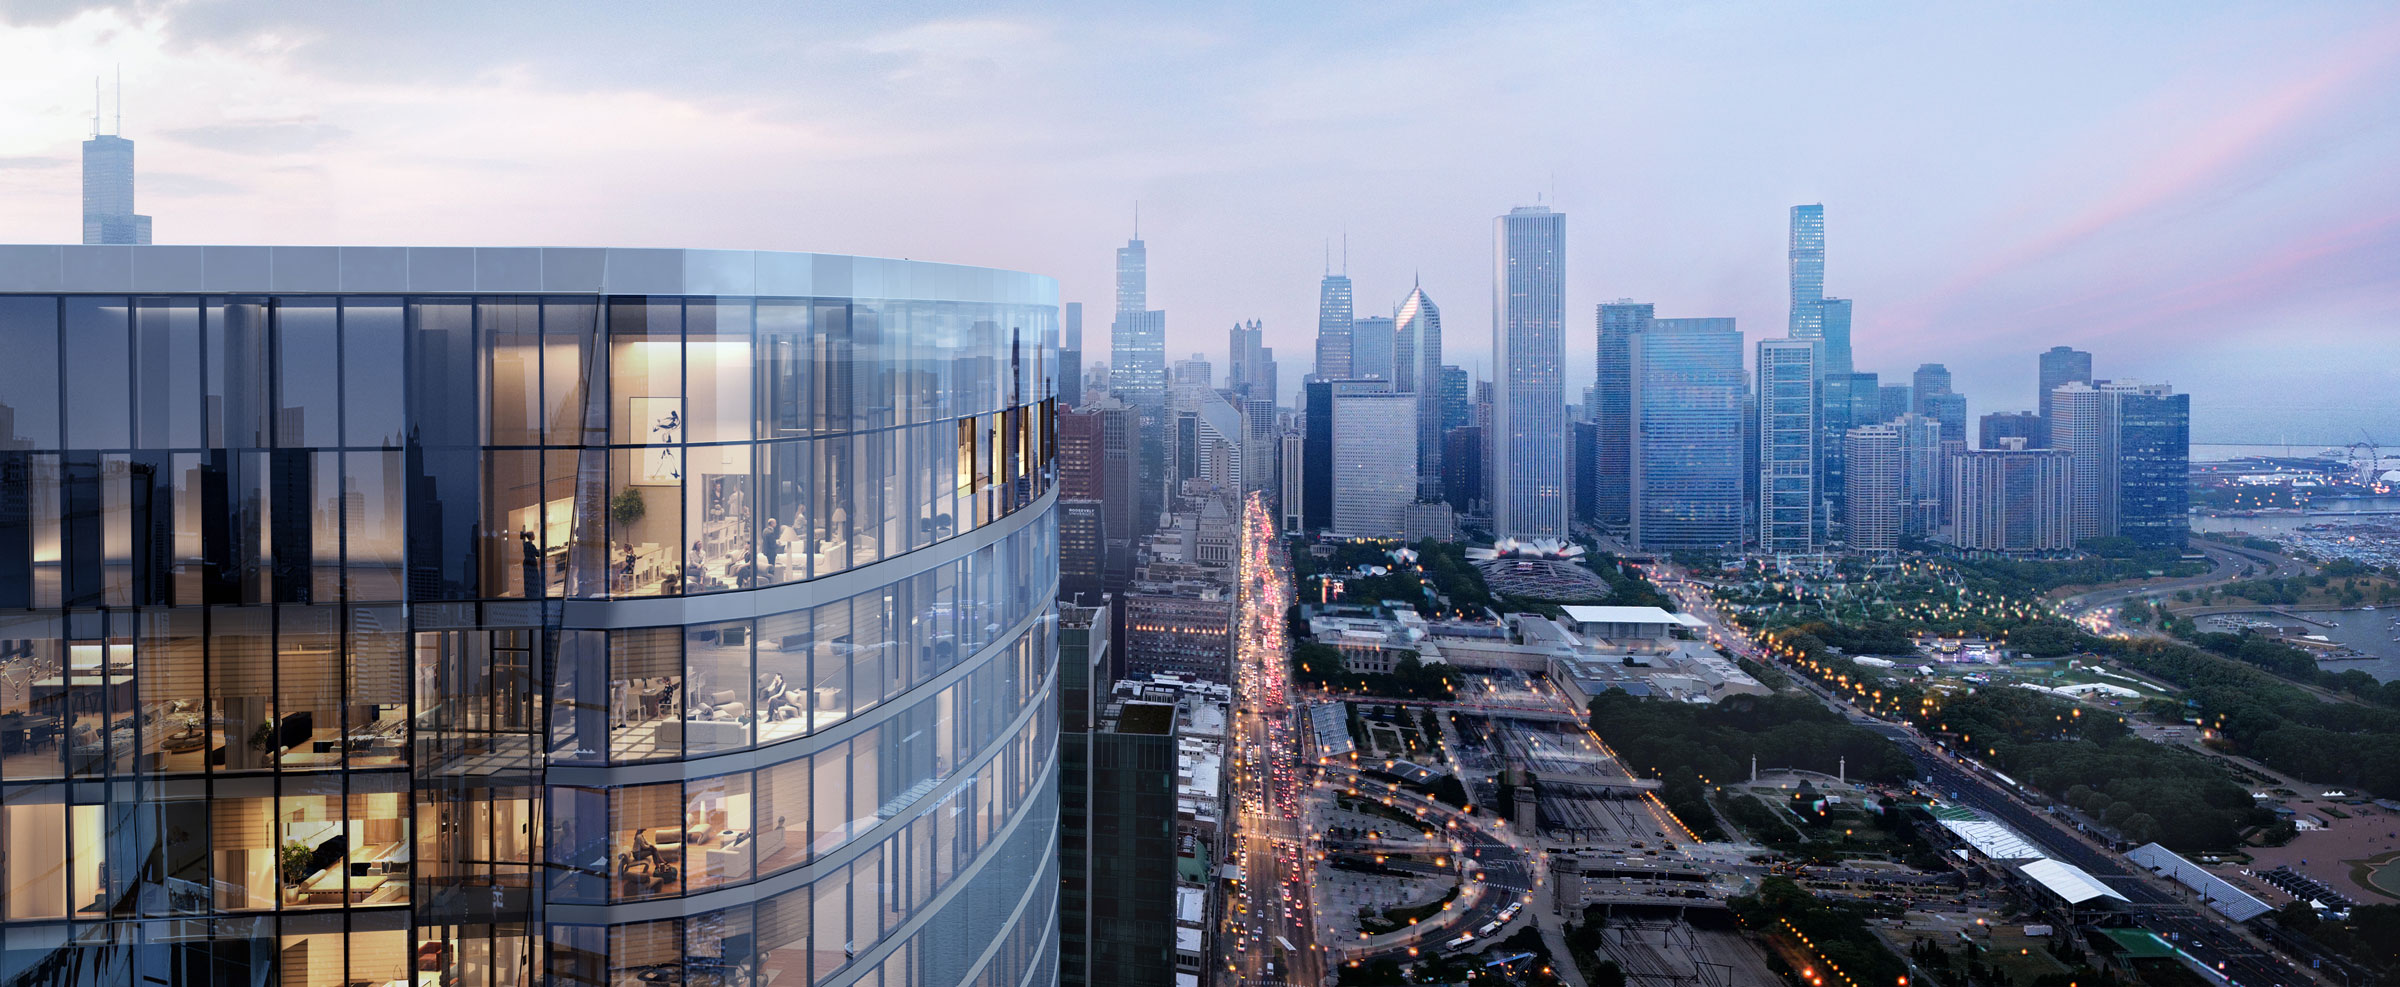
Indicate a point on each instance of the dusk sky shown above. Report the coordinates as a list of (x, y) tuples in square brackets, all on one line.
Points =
[(2202, 194)]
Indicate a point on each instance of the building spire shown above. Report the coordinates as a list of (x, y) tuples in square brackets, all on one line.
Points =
[(120, 128), (1137, 219)]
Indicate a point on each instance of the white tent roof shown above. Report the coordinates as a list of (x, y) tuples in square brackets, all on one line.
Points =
[(2233, 902), (1628, 615), (1993, 840), (2068, 881)]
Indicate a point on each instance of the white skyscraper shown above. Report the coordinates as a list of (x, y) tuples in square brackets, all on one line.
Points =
[(1419, 369), (1528, 440), (2083, 424), (1374, 428), (1874, 476), (2013, 500)]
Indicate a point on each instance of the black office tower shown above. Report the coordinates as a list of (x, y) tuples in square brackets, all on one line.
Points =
[(1316, 451), (2154, 436)]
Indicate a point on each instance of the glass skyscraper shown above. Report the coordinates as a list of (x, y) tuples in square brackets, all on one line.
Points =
[(1833, 349), (1806, 258), (514, 616), (1529, 407), (1687, 435), (2060, 365), (1845, 401), (1138, 338), (1334, 313), (108, 216), (1420, 373), (1612, 467), (1932, 380), (2154, 436), (1787, 427), (1374, 348)]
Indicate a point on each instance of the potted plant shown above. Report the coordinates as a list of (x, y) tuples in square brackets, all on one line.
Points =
[(292, 862), (626, 508)]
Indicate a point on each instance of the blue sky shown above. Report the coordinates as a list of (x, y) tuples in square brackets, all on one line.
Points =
[(2207, 194)]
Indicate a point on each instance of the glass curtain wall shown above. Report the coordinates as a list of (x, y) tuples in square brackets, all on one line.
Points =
[(297, 569)]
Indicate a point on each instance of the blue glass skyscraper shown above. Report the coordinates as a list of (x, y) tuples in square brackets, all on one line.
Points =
[(1833, 350), (2154, 446), (1787, 424), (1807, 259), (1687, 434), (1613, 394)]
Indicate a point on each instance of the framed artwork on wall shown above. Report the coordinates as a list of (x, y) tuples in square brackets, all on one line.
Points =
[(662, 420)]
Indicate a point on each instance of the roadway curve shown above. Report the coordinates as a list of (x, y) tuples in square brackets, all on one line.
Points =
[(1508, 874)]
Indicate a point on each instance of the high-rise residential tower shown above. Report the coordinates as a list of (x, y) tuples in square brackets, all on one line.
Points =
[(1529, 409), (1921, 475), (2154, 445), (2083, 423), (532, 616), (1334, 315), (1612, 460), (1874, 477), (1420, 373), (1787, 427), (1806, 259), (1687, 487), (2012, 499)]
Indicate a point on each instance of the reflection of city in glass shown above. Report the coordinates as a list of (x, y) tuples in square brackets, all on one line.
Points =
[(485, 616)]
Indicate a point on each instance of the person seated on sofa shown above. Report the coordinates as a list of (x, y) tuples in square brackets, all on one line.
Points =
[(783, 700)]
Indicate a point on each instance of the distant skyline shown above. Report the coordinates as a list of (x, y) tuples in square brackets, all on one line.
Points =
[(2201, 194)]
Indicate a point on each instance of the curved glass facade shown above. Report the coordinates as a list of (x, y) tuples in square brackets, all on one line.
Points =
[(504, 617)]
